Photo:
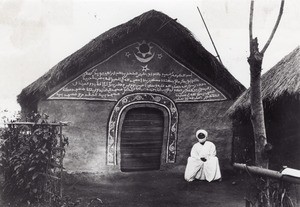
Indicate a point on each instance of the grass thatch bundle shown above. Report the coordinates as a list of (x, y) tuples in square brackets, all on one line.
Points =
[(282, 80), (154, 26)]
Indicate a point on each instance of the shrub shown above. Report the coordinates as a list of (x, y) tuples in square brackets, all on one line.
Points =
[(32, 159)]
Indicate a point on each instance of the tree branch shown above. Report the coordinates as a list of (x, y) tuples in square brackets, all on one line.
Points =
[(251, 22), (275, 28)]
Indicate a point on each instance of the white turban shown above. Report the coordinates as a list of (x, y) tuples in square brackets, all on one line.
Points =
[(202, 131)]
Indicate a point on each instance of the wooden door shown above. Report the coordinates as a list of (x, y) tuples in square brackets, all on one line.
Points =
[(141, 139)]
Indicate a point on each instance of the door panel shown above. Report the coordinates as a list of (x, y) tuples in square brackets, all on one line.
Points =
[(142, 139)]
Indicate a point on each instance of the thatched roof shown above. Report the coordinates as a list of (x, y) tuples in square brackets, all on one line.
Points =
[(152, 25), (281, 80)]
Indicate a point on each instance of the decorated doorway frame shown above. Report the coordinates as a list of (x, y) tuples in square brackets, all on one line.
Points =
[(140, 98)]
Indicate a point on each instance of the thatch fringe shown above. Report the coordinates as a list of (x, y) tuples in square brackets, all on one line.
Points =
[(155, 26), (281, 80)]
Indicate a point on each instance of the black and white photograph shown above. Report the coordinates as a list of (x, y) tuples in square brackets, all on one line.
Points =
[(147, 103)]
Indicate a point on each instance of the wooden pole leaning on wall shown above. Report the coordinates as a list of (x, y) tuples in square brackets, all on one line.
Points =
[(211, 39)]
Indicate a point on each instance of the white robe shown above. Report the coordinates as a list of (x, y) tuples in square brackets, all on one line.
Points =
[(197, 169)]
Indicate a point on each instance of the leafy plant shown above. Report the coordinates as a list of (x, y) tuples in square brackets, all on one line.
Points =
[(31, 159)]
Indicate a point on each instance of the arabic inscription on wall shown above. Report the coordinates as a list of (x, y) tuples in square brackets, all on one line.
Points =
[(141, 67)]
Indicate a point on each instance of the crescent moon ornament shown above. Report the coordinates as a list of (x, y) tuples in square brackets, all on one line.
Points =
[(144, 60), (143, 50)]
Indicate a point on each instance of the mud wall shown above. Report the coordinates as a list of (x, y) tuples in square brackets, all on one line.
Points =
[(87, 131), (211, 117)]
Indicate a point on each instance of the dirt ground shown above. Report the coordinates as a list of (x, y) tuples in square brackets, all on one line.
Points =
[(156, 188), (152, 188)]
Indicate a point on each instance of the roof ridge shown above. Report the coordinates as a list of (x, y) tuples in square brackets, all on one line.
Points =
[(173, 38)]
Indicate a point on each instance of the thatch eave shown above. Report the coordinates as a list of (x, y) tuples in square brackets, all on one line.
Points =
[(152, 25), (282, 80)]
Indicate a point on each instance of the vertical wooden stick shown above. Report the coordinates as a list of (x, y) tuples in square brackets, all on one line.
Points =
[(61, 158)]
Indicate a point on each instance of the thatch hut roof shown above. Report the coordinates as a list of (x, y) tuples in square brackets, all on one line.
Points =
[(281, 80), (152, 25)]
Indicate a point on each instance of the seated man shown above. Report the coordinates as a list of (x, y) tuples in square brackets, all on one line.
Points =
[(203, 163)]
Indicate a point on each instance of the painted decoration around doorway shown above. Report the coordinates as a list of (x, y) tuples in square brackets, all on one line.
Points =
[(139, 98), (142, 66)]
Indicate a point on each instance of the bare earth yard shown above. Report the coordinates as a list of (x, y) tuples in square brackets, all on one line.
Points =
[(152, 188), (158, 188)]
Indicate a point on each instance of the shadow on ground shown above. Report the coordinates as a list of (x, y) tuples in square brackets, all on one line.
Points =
[(148, 189), (154, 188)]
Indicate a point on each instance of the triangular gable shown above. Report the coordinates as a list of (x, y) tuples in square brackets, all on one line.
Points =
[(140, 67)]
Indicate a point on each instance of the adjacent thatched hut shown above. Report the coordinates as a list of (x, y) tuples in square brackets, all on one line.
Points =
[(281, 100), (134, 97)]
